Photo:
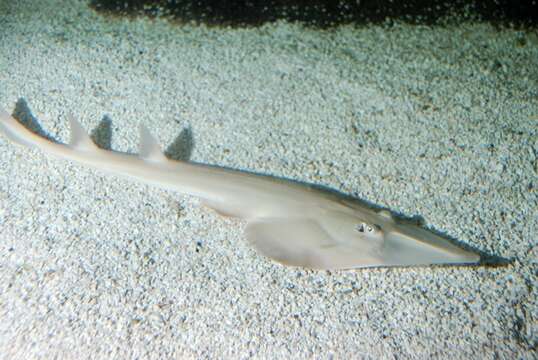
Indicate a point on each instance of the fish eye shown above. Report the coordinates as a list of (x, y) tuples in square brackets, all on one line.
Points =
[(366, 228)]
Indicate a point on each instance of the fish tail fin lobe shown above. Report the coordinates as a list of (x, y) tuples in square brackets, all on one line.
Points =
[(22, 135), (15, 131)]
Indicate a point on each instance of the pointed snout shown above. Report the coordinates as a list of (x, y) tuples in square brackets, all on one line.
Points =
[(412, 245)]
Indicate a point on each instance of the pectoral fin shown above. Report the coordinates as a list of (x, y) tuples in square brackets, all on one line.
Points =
[(303, 242)]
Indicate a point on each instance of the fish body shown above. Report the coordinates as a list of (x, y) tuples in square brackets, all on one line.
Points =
[(293, 223)]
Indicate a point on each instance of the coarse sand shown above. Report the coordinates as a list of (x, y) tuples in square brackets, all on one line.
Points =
[(436, 121)]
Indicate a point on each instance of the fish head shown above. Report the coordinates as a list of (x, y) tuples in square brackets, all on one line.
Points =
[(365, 238), (409, 244)]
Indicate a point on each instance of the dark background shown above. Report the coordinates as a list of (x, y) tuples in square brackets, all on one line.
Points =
[(327, 13)]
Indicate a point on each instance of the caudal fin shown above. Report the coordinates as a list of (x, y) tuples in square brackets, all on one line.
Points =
[(19, 134), (15, 131)]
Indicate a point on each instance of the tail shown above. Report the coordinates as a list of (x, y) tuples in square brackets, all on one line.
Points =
[(80, 140), (19, 134), (16, 132), (149, 166)]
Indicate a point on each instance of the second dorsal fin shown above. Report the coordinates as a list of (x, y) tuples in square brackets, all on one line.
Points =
[(149, 148), (80, 139)]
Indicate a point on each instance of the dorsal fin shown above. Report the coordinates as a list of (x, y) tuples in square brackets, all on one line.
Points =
[(149, 148), (79, 137)]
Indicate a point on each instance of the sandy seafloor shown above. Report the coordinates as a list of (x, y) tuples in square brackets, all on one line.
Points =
[(434, 121)]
